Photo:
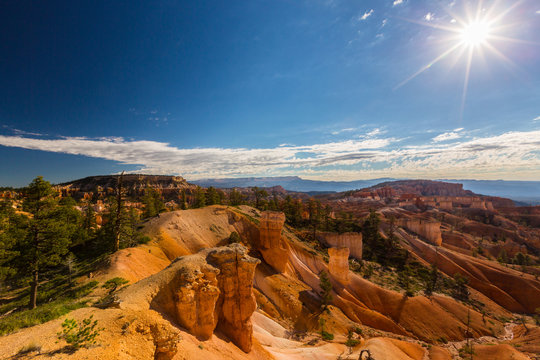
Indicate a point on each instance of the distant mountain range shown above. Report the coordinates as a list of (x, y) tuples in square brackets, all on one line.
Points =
[(524, 192)]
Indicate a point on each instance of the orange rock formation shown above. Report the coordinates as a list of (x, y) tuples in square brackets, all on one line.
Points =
[(272, 247), (338, 266), (350, 240), (213, 288), (430, 230)]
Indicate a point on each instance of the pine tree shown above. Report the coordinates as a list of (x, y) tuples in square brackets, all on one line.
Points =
[(47, 237), (260, 195), (236, 198), (326, 287), (153, 204), (11, 233), (200, 198), (212, 196)]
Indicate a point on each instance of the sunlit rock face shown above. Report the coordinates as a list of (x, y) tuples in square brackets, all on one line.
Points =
[(350, 240), (338, 266), (271, 245), (201, 292), (236, 300), (195, 295), (429, 230)]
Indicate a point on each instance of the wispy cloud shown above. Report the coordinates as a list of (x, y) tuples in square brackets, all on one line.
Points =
[(397, 2), (337, 132), (366, 15), (22, 132), (536, 118), (508, 155), (450, 135)]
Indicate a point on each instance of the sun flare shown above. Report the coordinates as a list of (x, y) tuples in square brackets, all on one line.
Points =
[(472, 34), (475, 34)]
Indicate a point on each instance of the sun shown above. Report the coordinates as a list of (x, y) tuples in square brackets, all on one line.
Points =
[(475, 33)]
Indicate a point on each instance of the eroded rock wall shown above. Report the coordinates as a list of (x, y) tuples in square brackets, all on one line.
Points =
[(338, 265), (271, 245), (430, 230), (351, 240)]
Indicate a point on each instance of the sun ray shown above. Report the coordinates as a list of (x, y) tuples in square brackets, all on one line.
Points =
[(466, 82), (474, 33), (425, 67)]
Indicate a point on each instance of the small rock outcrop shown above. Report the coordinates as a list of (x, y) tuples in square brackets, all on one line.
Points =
[(351, 240), (338, 266), (271, 245), (429, 230), (201, 292)]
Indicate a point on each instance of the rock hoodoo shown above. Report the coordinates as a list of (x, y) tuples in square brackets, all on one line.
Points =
[(271, 245), (213, 288), (338, 266), (430, 230), (351, 240), (236, 300)]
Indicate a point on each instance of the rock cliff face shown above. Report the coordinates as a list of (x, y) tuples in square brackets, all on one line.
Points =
[(272, 247), (350, 240), (236, 300), (213, 288), (430, 230), (338, 266)]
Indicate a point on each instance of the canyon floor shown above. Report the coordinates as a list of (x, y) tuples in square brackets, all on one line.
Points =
[(144, 319)]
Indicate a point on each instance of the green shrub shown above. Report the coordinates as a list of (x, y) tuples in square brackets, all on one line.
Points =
[(234, 238), (82, 334), (326, 336), (39, 315), (114, 283)]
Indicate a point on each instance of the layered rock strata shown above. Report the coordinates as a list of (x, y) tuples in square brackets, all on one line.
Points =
[(338, 265), (271, 245), (201, 292), (429, 230), (351, 240)]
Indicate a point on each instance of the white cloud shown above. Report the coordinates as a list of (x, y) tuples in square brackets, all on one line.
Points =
[(450, 135), (397, 2), (536, 118), (508, 155), (337, 132), (429, 16), (384, 22), (366, 15)]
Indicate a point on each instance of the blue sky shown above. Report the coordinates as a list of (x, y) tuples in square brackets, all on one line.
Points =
[(315, 88)]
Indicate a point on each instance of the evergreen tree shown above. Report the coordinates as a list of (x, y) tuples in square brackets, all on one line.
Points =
[(431, 281), (153, 203), (200, 198), (260, 195), (460, 290), (326, 289), (236, 198), (314, 211), (11, 232), (212, 196), (47, 237), (118, 212), (183, 200)]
